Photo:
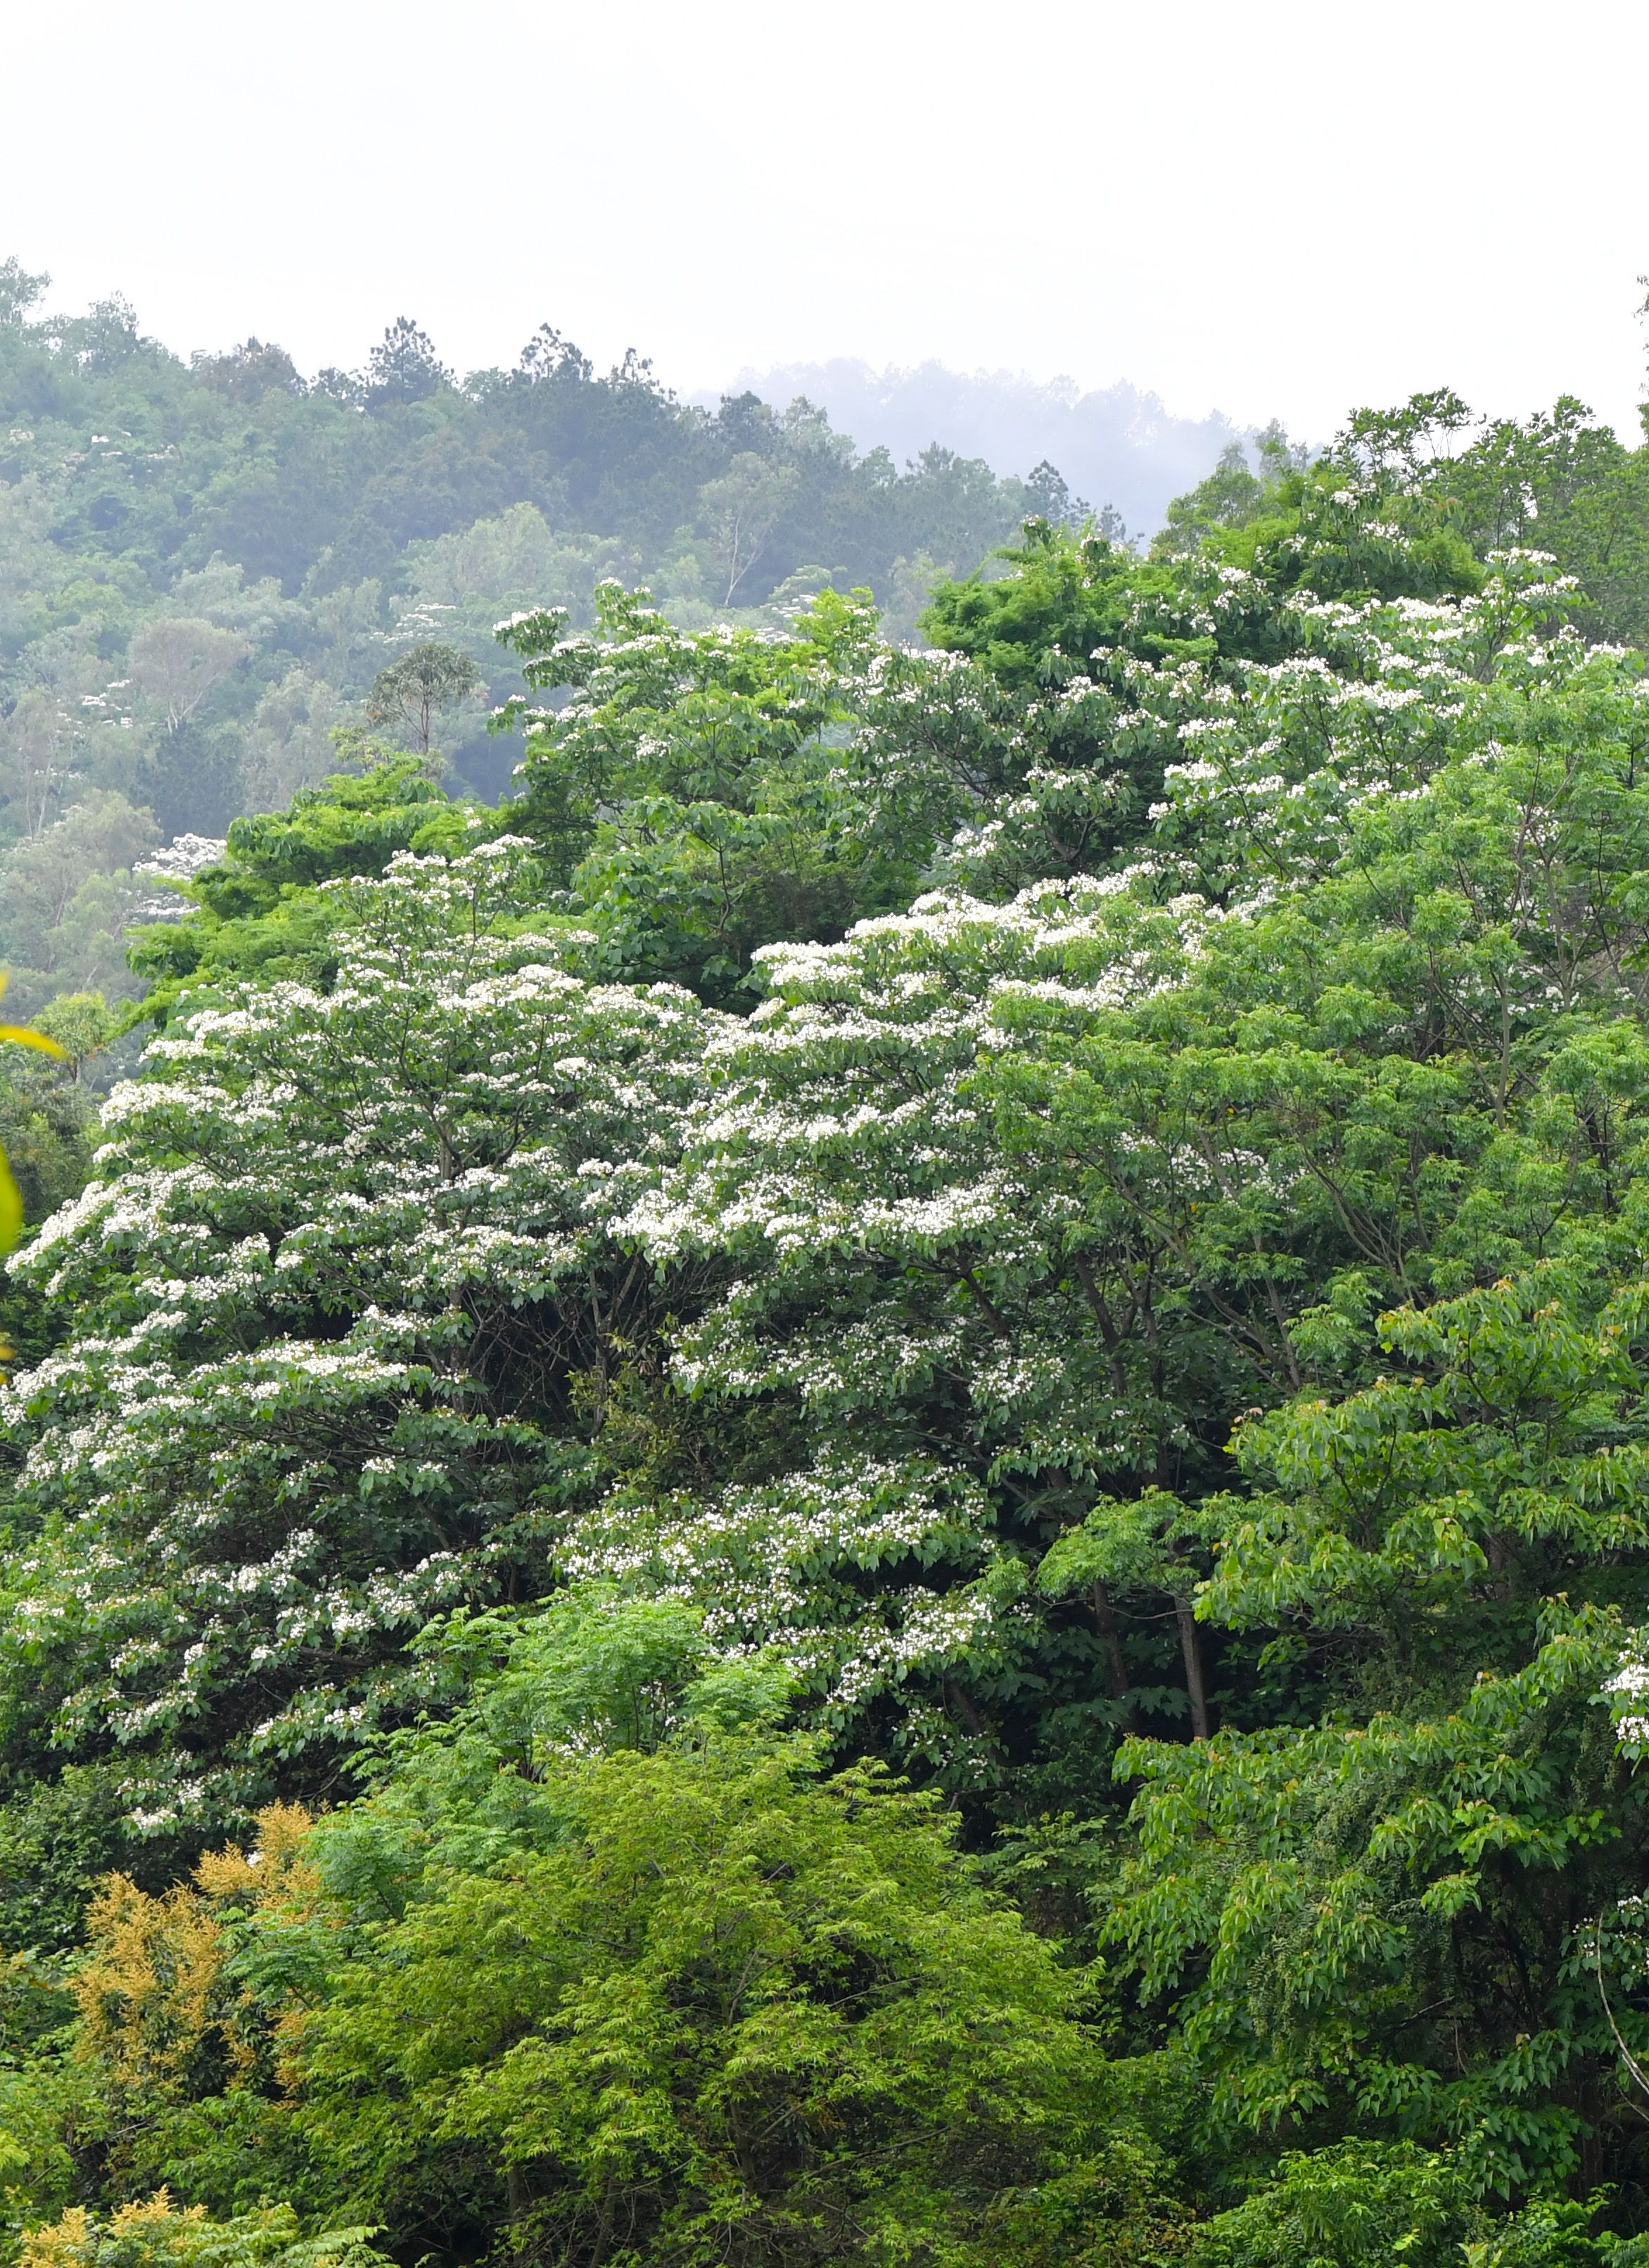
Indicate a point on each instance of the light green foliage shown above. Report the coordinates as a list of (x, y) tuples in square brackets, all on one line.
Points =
[(608, 1958), (1337, 1912), (260, 911), (726, 1999), (156, 2234), (81, 1024), (690, 790), (1362, 2202), (1377, 2202), (1508, 1449), (691, 1995)]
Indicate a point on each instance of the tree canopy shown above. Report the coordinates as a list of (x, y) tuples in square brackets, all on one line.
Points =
[(871, 1483)]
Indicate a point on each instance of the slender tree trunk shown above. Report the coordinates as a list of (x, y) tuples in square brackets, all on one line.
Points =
[(1190, 1646), (1111, 1644)]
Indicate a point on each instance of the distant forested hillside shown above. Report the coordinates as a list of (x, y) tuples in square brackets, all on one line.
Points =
[(203, 565)]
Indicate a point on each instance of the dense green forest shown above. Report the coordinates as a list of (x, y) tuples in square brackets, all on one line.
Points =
[(869, 1483)]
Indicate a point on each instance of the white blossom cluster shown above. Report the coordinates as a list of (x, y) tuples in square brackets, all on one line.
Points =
[(179, 861), (775, 1567), (1627, 1692), (1276, 759)]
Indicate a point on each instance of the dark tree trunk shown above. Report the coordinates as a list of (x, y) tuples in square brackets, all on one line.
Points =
[(1111, 1644)]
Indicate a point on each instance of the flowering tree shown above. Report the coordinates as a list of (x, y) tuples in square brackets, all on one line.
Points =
[(345, 1269)]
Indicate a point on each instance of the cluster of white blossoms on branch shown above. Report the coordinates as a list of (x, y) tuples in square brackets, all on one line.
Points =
[(1628, 1693)]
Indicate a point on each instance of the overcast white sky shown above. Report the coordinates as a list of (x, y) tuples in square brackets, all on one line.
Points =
[(1270, 208)]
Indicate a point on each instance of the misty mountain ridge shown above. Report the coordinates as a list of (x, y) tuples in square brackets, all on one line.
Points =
[(1115, 444)]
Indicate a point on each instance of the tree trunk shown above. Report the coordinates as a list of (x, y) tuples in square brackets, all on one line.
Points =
[(1116, 1660), (1191, 1648)]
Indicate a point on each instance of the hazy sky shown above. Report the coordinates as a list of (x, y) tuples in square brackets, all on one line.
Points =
[(1269, 209)]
